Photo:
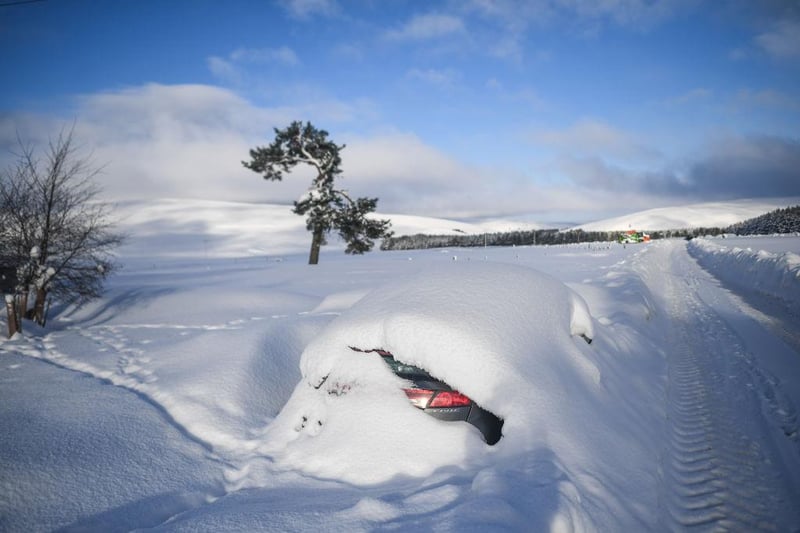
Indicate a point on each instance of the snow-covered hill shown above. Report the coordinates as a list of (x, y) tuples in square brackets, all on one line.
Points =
[(206, 228), (704, 215)]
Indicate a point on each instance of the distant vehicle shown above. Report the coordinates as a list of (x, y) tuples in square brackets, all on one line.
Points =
[(439, 400), (633, 237)]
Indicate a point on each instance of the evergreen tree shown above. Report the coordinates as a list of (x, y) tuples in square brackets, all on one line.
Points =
[(325, 207)]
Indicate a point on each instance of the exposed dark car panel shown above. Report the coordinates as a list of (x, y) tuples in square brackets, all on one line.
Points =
[(440, 400)]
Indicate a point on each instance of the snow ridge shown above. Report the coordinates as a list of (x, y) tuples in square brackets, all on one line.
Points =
[(773, 275)]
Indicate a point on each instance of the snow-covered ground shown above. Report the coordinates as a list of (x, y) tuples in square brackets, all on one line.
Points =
[(176, 401)]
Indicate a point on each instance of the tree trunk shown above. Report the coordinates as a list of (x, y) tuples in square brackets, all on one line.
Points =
[(316, 242), (22, 306), (13, 325), (38, 306)]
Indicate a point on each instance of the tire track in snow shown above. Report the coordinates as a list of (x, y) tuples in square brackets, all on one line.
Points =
[(717, 466)]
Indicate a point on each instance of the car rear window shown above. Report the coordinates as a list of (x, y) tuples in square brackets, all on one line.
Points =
[(404, 370)]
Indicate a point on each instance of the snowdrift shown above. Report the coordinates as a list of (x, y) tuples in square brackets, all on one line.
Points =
[(771, 274), (509, 337)]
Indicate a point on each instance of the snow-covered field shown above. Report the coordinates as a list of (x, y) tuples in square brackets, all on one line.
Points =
[(185, 399)]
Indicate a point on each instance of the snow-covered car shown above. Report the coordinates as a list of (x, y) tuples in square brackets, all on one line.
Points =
[(506, 340)]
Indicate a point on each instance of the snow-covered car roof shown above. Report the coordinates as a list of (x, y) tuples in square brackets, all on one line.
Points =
[(479, 327)]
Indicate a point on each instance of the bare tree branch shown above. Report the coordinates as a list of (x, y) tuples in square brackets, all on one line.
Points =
[(56, 232)]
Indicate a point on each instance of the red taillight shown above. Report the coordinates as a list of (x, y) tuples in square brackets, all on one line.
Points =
[(450, 399), (422, 398), (419, 397)]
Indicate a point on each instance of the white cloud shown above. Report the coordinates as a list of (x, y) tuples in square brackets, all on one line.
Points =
[(782, 40), (637, 14), (740, 53), (224, 70), (189, 141), (768, 98), (283, 54), (693, 95), (304, 9), (233, 69), (525, 95), (593, 137), (168, 141), (412, 177), (424, 27), (349, 52), (440, 77), (518, 15)]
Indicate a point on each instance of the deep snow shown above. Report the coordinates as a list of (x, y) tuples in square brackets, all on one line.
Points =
[(682, 411), (501, 334)]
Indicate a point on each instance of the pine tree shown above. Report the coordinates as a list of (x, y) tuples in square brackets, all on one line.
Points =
[(325, 207)]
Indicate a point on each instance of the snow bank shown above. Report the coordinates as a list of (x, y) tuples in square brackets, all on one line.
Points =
[(506, 336), (771, 274)]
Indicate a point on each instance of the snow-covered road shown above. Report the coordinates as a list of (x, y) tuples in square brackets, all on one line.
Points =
[(731, 450), (695, 425)]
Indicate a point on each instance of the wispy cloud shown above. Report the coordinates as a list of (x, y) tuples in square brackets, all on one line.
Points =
[(233, 67), (635, 14), (526, 95), (438, 77), (306, 9), (507, 25), (593, 137), (283, 55), (177, 140), (697, 94), (349, 52), (425, 27), (189, 141), (766, 98), (520, 15), (225, 70), (782, 40)]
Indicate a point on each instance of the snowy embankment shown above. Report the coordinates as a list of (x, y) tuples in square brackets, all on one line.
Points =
[(776, 275)]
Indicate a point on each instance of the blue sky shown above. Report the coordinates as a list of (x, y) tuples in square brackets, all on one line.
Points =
[(545, 110)]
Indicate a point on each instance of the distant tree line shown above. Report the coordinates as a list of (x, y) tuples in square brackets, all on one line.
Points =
[(785, 220), (510, 238), (528, 238)]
